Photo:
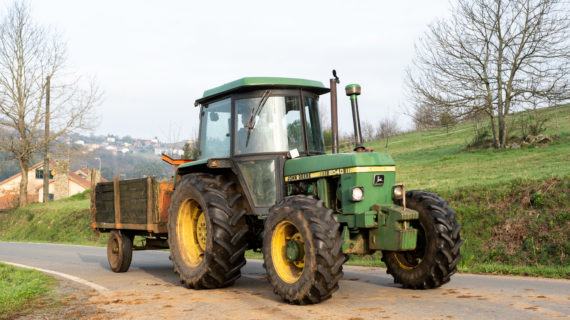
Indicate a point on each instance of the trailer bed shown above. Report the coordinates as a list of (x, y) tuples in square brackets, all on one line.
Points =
[(137, 205)]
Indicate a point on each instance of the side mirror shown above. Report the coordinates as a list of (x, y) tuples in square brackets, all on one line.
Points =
[(214, 116)]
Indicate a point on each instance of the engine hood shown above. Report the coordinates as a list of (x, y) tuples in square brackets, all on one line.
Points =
[(353, 162)]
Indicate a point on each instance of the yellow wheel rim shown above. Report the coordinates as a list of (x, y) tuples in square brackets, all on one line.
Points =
[(402, 265), (289, 266), (191, 232), (201, 231)]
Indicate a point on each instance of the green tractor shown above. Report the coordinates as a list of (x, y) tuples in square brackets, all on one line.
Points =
[(263, 181)]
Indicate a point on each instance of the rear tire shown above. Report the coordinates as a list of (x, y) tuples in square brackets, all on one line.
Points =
[(313, 274), (207, 231), (119, 251), (437, 251)]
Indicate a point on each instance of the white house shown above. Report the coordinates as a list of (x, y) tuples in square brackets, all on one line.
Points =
[(61, 185)]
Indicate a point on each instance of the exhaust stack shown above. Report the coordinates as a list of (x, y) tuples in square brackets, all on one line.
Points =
[(353, 91), (334, 112)]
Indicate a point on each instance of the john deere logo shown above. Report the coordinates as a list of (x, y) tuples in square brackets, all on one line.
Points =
[(378, 179)]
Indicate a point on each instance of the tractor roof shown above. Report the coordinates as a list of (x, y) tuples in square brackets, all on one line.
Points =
[(249, 83)]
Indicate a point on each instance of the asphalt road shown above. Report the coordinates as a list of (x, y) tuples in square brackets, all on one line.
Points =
[(150, 289)]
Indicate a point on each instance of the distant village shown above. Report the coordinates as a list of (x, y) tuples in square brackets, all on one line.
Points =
[(127, 144)]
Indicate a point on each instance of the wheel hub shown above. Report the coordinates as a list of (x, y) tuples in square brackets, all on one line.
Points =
[(293, 251)]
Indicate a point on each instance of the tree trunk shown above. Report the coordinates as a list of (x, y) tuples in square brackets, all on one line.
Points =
[(24, 167), (502, 131), (494, 130)]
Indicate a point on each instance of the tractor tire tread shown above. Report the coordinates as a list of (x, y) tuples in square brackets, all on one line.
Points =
[(447, 253), (227, 256), (327, 246)]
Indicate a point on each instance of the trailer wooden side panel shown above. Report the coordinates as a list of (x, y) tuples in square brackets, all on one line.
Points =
[(133, 201), (104, 203), (138, 204)]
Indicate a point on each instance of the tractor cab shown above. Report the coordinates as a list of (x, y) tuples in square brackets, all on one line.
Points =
[(265, 115), (259, 122)]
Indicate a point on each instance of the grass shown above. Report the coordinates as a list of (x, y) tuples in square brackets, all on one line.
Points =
[(557, 272), (19, 288), (64, 221)]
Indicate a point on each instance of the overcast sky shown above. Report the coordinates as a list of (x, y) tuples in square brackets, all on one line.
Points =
[(154, 58)]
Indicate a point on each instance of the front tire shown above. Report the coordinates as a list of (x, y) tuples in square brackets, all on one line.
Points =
[(206, 231), (302, 250), (437, 251)]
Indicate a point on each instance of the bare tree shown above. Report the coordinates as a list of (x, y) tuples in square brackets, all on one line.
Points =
[(387, 128), (424, 116), (493, 56), (368, 131), (29, 53)]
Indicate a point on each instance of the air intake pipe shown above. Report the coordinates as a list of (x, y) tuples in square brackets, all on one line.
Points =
[(353, 91)]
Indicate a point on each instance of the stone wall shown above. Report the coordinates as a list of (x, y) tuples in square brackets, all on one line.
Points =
[(61, 179)]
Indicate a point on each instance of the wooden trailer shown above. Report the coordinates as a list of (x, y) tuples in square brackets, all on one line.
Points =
[(129, 208)]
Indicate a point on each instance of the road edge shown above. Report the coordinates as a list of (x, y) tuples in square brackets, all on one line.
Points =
[(94, 286)]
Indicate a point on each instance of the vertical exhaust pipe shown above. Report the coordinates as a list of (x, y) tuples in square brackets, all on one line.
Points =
[(353, 91), (334, 112)]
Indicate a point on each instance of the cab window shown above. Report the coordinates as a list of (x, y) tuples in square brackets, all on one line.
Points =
[(313, 126), (215, 130)]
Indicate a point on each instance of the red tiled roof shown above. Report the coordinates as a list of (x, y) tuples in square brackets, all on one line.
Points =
[(75, 178), (79, 180)]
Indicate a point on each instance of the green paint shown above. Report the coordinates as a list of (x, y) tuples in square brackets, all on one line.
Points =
[(262, 82), (373, 194), (366, 219), (337, 160), (386, 227), (323, 192), (292, 250), (353, 90), (395, 234)]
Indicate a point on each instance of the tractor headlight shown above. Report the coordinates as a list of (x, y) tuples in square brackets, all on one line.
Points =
[(357, 194), (398, 192)]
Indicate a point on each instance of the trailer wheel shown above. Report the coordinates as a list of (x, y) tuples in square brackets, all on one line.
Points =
[(437, 251), (119, 251), (302, 250), (207, 231)]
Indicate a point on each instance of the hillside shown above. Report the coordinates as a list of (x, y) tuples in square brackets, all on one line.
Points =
[(514, 205), (437, 160), (63, 221)]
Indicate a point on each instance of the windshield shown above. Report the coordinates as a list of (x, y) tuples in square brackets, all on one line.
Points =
[(278, 126)]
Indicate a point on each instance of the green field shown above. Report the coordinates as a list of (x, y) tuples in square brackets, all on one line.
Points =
[(19, 288), (514, 204)]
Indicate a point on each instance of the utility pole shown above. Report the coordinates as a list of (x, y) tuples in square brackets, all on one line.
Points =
[(46, 141)]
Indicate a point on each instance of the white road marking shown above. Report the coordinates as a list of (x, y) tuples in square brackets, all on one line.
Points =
[(84, 282), (55, 244)]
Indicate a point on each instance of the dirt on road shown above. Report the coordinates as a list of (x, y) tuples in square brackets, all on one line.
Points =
[(151, 290), (254, 299)]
